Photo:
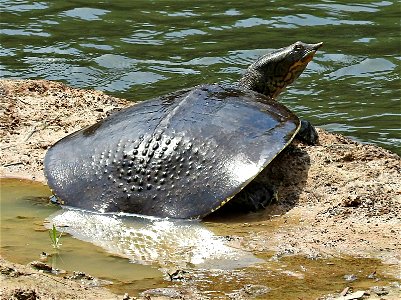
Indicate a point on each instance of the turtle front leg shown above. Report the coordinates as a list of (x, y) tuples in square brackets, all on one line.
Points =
[(307, 133), (253, 197)]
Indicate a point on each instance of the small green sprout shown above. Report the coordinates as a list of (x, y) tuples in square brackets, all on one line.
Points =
[(55, 237)]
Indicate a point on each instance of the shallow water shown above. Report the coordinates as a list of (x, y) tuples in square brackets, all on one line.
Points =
[(140, 49), (136, 253), (24, 209)]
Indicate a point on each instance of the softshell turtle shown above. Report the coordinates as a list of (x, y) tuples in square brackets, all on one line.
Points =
[(185, 154)]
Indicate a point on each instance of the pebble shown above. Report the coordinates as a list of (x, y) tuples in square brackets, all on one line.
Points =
[(350, 277), (160, 292), (379, 290), (355, 295)]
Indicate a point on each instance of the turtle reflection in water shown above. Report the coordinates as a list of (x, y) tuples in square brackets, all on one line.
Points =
[(185, 154)]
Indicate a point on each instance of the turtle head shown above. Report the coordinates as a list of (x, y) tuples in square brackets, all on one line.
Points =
[(272, 72)]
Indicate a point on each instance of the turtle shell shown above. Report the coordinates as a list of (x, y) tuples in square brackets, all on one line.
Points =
[(182, 155)]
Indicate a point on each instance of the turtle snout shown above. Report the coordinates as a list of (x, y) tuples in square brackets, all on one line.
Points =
[(317, 46)]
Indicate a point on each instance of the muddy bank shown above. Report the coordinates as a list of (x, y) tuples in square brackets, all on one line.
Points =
[(340, 197), (23, 282), (337, 198), (34, 114)]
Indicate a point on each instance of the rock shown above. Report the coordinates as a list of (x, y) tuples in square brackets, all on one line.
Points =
[(350, 277), (171, 293), (255, 290), (249, 291), (24, 294), (79, 275), (10, 272), (87, 280), (379, 290), (352, 201), (39, 265), (126, 297), (372, 275), (179, 275), (32, 284), (44, 256), (345, 291), (355, 295)]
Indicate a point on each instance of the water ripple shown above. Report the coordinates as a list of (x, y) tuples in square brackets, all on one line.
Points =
[(85, 13), (62, 49), (184, 13), (123, 81), (371, 68), (251, 22), (355, 7), (97, 46), (310, 20), (24, 32), (337, 8), (115, 61), (184, 33), (136, 49), (18, 7), (144, 37)]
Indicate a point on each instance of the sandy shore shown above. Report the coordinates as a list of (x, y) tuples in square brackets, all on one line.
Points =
[(337, 198)]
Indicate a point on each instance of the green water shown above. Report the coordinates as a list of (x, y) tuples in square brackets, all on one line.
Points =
[(139, 49)]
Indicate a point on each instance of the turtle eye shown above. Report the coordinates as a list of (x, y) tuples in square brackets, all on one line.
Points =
[(298, 47)]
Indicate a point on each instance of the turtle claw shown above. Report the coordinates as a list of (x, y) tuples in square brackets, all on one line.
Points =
[(308, 133)]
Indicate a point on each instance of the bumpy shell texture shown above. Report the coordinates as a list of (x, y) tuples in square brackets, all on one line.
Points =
[(182, 155)]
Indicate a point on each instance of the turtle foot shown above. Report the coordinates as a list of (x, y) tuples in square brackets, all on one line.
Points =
[(253, 197), (308, 133)]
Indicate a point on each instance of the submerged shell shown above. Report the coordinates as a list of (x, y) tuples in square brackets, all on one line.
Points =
[(182, 155)]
